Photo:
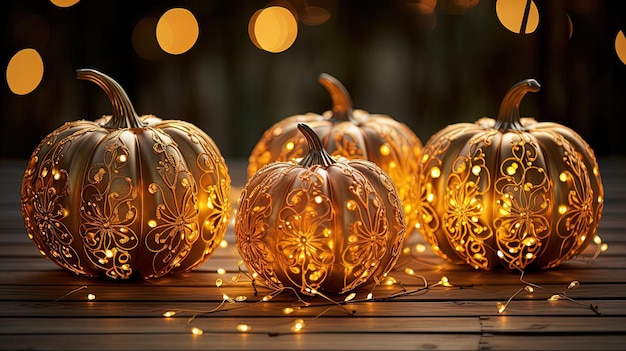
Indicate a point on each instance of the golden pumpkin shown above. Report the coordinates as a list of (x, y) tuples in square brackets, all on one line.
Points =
[(509, 192), (126, 195), (353, 134), (320, 224)]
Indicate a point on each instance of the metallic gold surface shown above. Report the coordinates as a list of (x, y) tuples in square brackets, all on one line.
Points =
[(126, 195), (324, 224), (350, 133), (510, 192)]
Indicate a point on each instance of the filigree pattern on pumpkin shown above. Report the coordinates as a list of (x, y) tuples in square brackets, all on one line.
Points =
[(108, 214), (48, 214), (577, 216), (523, 192), (464, 221), (175, 226), (305, 241), (213, 183), (367, 241)]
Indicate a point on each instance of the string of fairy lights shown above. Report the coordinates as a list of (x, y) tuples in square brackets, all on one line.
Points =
[(347, 305)]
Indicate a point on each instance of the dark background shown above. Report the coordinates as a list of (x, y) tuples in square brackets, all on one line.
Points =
[(425, 70)]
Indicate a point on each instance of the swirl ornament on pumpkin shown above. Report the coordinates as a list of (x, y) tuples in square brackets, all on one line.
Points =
[(126, 195), (509, 192), (320, 224), (353, 134)]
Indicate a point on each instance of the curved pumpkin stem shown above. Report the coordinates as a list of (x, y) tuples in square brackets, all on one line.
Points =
[(124, 115), (342, 103), (317, 155), (508, 116)]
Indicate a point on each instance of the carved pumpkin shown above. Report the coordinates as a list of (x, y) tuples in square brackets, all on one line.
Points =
[(126, 195), (509, 192), (353, 134), (320, 224)]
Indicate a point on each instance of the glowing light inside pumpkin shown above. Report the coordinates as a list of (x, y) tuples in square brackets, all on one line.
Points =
[(385, 150), (24, 71), (435, 172), (518, 16), (177, 31), (273, 29)]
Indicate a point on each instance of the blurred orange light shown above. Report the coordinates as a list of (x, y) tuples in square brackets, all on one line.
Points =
[(177, 31), (64, 3), (144, 38), (24, 71), (511, 14), (273, 29), (620, 46)]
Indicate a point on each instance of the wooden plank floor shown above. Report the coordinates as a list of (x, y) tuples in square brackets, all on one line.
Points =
[(43, 307)]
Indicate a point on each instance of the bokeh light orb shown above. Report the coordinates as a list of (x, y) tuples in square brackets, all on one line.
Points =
[(511, 14), (273, 29), (64, 3), (177, 31), (24, 71), (620, 46)]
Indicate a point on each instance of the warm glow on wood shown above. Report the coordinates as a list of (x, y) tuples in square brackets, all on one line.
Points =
[(24, 71), (177, 31)]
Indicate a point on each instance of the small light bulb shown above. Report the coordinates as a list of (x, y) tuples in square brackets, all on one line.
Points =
[(444, 281), (298, 325), (554, 297), (218, 282), (370, 296), (573, 285), (224, 244), (221, 271), (91, 297), (242, 328), (197, 331), (501, 307), (169, 314), (409, 271), (350, 297), (288, 310), (529, 288)]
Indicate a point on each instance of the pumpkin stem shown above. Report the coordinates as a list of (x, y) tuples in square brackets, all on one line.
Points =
[(342, 103), (508, 116), (124, 115), (317, 155)]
